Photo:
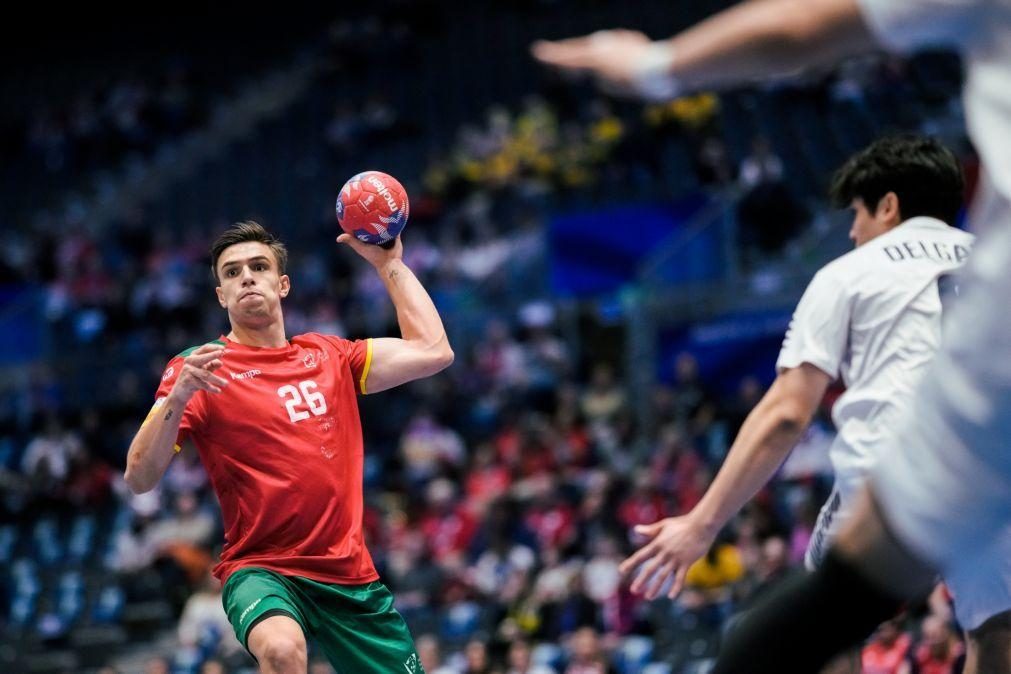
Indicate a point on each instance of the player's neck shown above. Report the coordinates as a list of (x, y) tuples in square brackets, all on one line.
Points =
[(269, 336)]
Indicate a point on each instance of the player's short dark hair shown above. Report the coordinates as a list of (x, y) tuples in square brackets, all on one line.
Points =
[(924, 174), (241, 232)]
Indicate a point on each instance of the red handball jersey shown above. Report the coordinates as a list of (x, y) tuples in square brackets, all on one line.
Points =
[(282, 445)]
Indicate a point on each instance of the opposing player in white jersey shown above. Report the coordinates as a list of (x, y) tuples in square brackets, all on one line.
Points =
[(872, 319), (942, 498)]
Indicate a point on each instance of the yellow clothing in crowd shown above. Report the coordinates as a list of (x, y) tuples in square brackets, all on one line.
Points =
[(725, 568)]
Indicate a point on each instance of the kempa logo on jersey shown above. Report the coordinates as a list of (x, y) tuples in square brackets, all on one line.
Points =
[(242, 616), (248, 374)]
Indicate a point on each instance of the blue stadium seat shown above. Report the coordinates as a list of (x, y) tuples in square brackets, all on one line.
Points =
[(548, 655), (82, 537), (209, 639), (25, 576), (703, 666), (22, 610), (633, 654), (108, 606), (46, 536), (657, 668), (51, 625), (8, 541), (187, 660), (70, 596), (9, 453), (118, 522), (460, 622)]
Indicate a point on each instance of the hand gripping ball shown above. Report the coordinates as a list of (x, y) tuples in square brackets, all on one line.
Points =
[(373, 207)]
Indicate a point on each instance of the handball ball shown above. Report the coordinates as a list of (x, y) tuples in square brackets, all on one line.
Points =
[(372, 207)]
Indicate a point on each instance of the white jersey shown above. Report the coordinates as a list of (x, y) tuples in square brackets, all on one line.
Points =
[(872, 318), (946, 486)]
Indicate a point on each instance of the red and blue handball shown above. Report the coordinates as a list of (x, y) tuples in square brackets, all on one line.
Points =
[(372, 207)]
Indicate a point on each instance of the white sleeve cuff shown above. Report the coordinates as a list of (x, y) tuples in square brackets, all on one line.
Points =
[(653, 79)]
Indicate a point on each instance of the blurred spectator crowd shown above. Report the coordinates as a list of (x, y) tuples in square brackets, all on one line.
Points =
[(502, 494), (102, 125)]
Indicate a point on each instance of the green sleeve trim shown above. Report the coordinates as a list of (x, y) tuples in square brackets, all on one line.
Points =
[(183, 354)]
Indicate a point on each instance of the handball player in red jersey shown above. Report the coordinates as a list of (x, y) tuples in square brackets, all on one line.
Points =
[(276, 423)]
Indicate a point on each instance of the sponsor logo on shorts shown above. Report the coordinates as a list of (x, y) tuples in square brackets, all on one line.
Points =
[(242, 616), (816, 553)]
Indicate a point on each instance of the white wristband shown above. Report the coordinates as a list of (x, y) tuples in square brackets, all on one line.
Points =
[(653, 79)]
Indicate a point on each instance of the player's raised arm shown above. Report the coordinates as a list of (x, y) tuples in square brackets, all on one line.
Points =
[(423, 348), (767, 436), (154, 445), (750, 40)]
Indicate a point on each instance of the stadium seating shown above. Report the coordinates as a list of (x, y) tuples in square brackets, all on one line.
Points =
[(118, 302)]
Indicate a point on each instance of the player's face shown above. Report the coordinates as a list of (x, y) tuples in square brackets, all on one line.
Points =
[(251, 285), (867, 224)]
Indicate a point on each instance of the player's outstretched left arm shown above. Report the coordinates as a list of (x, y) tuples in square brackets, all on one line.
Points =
[(767, 436), (423, 348)]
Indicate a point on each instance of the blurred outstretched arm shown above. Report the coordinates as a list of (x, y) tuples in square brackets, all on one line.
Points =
[(748, 41)]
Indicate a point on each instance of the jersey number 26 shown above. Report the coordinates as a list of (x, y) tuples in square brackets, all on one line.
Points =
[(293, 399)]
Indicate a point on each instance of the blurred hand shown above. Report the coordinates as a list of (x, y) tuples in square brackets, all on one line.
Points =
[(375, 255), (614, 57), (197, 373), (676, 542)]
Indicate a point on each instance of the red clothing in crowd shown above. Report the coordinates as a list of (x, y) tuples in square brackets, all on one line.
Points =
[(928, 662), (880, 659)]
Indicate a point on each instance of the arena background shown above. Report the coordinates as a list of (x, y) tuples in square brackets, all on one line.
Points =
[(615, 277)]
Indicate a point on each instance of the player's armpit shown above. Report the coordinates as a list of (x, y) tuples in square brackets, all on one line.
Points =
[(397, 361)]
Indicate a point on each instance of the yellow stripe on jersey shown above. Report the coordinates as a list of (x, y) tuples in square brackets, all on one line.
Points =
[(368, 364), (154, 408)]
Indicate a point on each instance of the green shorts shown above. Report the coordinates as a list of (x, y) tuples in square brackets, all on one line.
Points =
[(355, 626)]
